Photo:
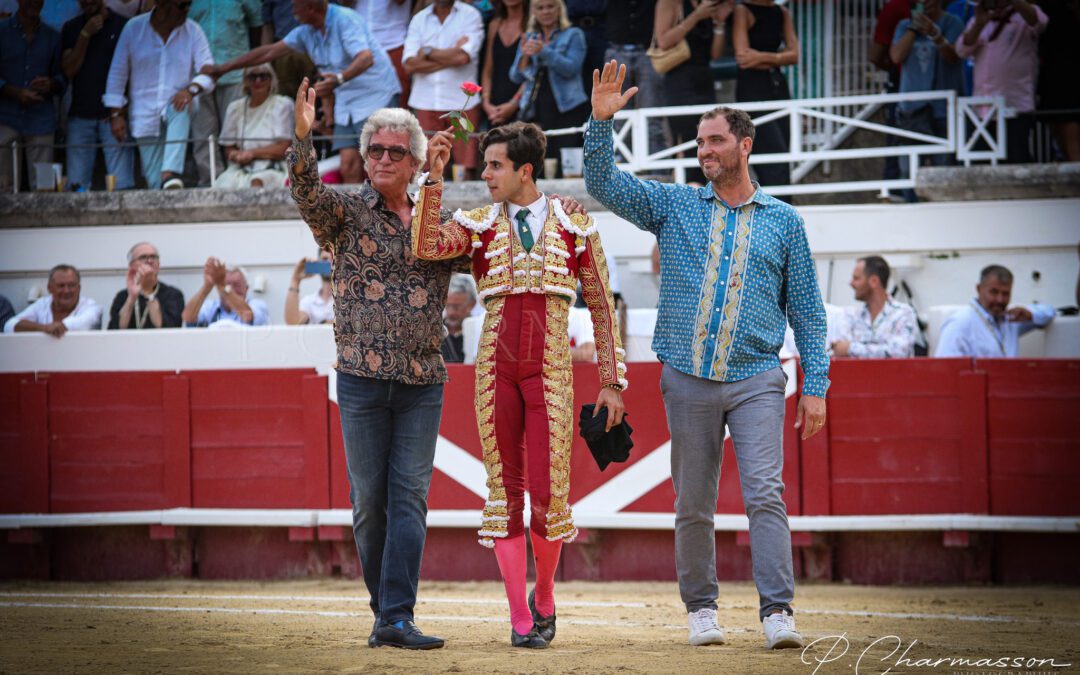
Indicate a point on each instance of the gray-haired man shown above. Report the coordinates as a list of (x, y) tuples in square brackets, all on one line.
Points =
[(460, 302)]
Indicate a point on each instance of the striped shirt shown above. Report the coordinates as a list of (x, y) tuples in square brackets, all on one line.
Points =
[(731, 277)]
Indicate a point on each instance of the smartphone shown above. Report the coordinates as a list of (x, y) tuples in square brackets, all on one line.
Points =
[(320, 267), (917, 9)]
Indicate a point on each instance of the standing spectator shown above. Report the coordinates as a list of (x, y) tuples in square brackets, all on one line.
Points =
[(1005, 45), (30, 79), (147, 302), (701, 24), (88, 42), (314, 308), (882, 328), (987, 328), (278, 21), (501, 96), (888, 18), (55, 13), (129, 8), (389, 21), (256, 133), (1059, 78), (590, 16), (629, 33), (441, 52), (923, 48), (232, 304), (353, 68), (231, 27), (549, 63), (764, 38), (460, 301), (157, 61), (63, 309)]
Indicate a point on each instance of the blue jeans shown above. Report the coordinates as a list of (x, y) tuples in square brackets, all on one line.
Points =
[(390, 430), (119, 160), (165, 152)]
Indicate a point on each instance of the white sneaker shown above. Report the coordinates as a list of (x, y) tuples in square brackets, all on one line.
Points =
[(780, 632), (703, 628)]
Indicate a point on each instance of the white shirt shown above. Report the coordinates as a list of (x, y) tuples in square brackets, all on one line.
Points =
[(317, 309), (156, 70), (538, 213), (974, 332), (580, 327), (86, 316), (889, 335), (388, 20), (441, 90)]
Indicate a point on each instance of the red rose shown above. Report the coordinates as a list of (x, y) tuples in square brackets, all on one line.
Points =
[(470, 88)]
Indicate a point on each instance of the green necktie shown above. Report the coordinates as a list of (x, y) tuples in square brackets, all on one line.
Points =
[(524, 231)]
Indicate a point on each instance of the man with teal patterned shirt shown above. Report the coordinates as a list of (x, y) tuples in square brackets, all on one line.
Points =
[(735, 266)]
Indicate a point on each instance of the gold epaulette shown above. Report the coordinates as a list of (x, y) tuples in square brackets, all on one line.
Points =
[(478, 220)]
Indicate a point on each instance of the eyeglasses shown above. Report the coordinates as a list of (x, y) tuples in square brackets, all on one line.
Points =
[(255, 77), (148, 257), (397, 153)]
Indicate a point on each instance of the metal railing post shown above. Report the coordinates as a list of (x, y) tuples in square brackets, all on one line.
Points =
[(15, 177), (212, 140)]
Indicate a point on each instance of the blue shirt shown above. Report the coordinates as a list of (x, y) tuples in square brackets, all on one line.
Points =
[(227, 27), (973, 331), (926, 70), (212, 311), (20, 63), (730, 279), (345, 36), (279, 13)]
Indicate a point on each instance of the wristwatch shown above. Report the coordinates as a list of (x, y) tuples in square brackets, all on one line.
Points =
[(150, 297), (426, 51), (340, 78), (193, 89)]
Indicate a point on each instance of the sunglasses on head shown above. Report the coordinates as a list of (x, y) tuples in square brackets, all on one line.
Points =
[(397, 153), (254, 77)]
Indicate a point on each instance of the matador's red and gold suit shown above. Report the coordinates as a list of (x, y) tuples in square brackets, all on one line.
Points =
[(523, 370)]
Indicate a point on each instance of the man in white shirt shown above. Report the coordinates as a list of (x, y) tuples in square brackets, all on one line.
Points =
[(389, 21), (881, 328), (63, 309), (987, 328), (232, 304), (442, 48), (157, 59)]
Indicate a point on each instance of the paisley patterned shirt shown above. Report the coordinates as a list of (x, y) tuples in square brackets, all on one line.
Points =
[(388, 304), (731, 277)]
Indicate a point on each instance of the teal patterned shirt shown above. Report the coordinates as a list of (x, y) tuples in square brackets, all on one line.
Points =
[(730, 279)]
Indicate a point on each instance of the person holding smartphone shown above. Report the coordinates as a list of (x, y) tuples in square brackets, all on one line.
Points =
[(317, 307)]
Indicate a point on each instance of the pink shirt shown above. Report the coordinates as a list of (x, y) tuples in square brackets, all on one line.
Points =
[(1009, 65)]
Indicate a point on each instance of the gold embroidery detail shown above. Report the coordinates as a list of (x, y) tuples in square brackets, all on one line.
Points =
[(596, 291), (494, 520), (431, 238), (558, 376)]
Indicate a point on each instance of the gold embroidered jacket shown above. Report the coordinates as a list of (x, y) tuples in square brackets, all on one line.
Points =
[(568, 250)]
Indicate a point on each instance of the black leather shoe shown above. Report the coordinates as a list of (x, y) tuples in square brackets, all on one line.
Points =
[(406, 637), (371, 638), (530, 641), (545, 625)]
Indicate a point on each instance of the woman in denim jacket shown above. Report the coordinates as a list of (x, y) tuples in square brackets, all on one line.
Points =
[(549, 60)]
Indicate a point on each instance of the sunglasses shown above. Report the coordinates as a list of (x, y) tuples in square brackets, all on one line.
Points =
[(255, 77), (184, 5), (397, 153)]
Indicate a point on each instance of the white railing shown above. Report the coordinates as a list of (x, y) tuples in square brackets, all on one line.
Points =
[(984, 141)]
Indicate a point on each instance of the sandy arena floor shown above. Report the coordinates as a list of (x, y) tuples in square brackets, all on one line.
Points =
[(316, 626)]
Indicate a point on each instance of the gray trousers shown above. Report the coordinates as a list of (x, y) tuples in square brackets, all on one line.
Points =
[(753, 409)]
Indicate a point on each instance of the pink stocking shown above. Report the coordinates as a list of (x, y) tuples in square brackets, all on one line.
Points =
[(546, 555), (513, 566)]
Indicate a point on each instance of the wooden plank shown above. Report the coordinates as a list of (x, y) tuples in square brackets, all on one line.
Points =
[(33, 447), (317, 442), (176, 397)]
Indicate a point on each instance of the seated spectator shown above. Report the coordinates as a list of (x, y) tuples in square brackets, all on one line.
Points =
[(314, 308), (354, 70), (549, 62), (442, 50), (30, 80), (256, 133), (63, 309), (6, 311), (88, 42), (882, 328), (146, 302), (460, 303), (923, 48), (582, 341), (987, 327), (1005, 45), (232, 306), (500, 97), (154, 77)]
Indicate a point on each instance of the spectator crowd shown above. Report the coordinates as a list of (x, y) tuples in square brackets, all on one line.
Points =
[(159, 78)]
